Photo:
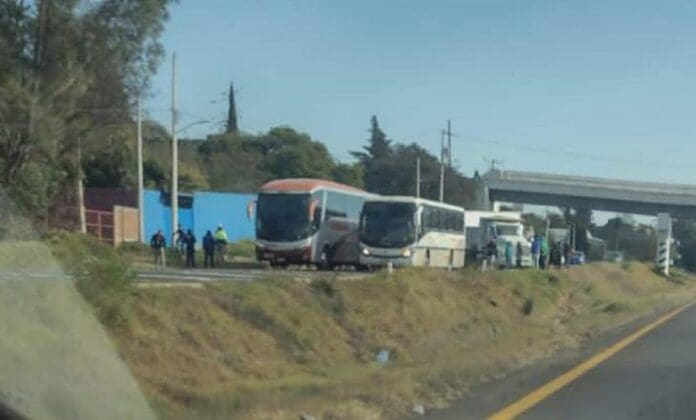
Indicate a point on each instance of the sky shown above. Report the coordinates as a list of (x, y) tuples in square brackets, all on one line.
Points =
[(596, 88)]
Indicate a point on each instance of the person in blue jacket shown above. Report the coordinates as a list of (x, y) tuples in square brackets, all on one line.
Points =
[(536, 251)]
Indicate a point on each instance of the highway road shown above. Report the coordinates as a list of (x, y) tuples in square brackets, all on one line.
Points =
[(211, 275), (647, 373), (198, 275)]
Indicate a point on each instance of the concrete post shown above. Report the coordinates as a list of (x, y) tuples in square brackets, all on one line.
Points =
[(664, 242)]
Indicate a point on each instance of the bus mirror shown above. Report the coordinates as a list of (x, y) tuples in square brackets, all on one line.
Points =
[(312, 208), (250, 209)]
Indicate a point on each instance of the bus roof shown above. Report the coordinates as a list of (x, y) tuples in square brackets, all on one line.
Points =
[(417, 201), (309, 185)]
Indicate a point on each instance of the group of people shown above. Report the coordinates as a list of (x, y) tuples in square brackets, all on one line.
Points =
[(513, 255), (185, 244), (543, 254)]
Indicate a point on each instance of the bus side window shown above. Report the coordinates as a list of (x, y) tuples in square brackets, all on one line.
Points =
[(332, 213), (428, 220)]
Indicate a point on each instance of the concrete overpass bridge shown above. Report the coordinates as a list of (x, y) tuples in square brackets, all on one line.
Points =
[(647, 198)]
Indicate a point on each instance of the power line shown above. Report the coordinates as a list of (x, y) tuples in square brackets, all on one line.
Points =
[(576, 154)]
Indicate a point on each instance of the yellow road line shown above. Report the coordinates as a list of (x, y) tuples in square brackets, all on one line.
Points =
[(533, 398)]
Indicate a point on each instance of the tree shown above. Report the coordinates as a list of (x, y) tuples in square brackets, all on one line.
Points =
[(378, 146), (68, 70), (191, 178), (349, 174), (108, 168), (391, 169), (230, 164), (232, 113), (153, 174), (289, 154)]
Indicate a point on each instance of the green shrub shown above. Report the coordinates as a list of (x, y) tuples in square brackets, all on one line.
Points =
[(242, 248), (101, 276)]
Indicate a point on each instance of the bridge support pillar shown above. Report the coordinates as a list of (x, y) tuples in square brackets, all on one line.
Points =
[(664, 242)]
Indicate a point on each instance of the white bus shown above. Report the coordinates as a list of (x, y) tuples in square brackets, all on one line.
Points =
[(303, 221), (409, 231)]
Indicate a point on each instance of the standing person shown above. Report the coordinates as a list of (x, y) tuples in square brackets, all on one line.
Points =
[(190, 242), (566, 254), (220, 243), (555, 255), (491, 253), (158, 244), (180, 239), (536, 251), (518, 255), (544, 260), (508, 255), (209, 250)]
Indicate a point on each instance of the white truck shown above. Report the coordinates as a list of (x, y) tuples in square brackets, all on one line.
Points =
[(502, 227)]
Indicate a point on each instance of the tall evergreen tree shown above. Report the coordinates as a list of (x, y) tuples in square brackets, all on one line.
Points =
[(378, 146), (232, 113)]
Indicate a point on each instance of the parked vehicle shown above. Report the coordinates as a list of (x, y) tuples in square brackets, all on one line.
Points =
[(408, 231), (502, 227), (576, 258), (614, 256), (301, 221)]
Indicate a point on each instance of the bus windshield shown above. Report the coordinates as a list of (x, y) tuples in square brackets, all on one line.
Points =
[(283, 217), (387, 225), (507, 230)]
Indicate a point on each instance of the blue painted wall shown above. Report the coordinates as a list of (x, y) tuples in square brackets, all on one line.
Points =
[(229, 209), (209, 209)]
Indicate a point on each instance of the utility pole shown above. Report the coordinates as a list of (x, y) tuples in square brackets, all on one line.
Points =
[(449, 144), (442, 166), (141, 207), (80, 188), (493, 162), (418, 176), (175, 154)]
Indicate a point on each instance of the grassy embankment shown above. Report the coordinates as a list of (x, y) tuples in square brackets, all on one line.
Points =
[(274, 349)]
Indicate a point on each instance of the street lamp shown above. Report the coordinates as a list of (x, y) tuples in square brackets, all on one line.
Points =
[(192, 124)]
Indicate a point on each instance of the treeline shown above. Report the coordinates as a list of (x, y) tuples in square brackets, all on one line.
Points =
[(69, 75), (69, 71), (242, 162)]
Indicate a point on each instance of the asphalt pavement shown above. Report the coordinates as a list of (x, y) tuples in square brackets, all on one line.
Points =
[(241, 275), (653, 377), (198, 275)]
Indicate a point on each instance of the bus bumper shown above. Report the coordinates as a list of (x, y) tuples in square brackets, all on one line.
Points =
[(381, 261), (286, 256)]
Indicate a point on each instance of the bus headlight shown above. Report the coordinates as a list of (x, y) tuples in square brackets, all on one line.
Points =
[(406, 252), (365, 251)]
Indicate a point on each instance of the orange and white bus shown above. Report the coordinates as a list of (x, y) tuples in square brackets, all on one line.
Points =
[(308, 221)]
